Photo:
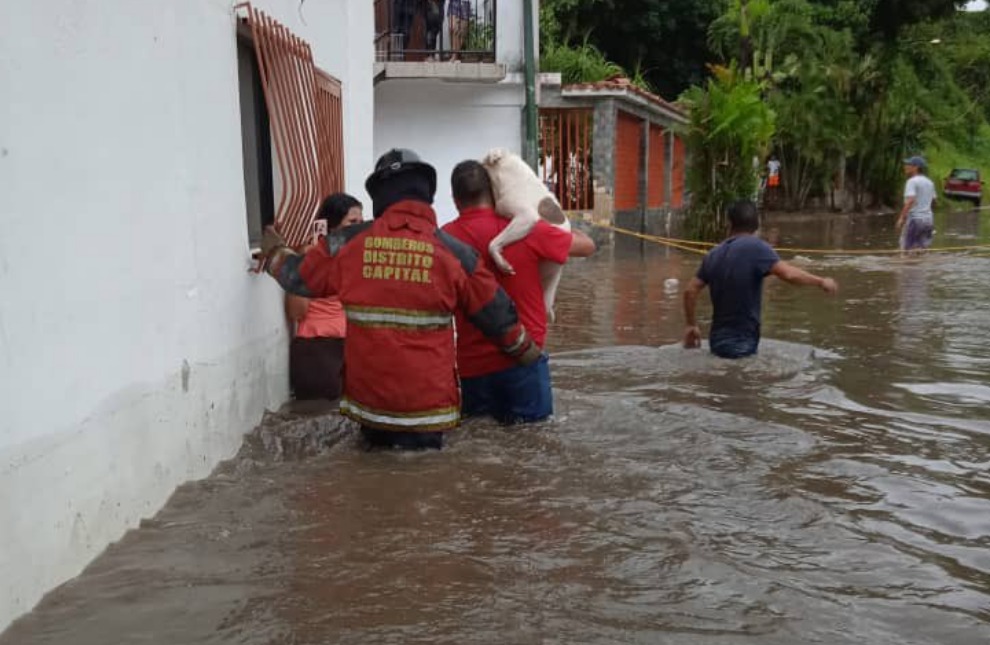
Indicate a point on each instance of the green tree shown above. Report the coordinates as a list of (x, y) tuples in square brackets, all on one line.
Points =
[(890, 17), (664, 41), (729, 125), (964, 46), (765, 32)]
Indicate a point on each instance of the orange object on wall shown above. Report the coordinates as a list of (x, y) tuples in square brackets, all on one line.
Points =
[(628, 161), (657, 182), (677, 172)]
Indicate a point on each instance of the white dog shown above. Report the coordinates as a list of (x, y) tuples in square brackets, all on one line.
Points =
[(522, 198)]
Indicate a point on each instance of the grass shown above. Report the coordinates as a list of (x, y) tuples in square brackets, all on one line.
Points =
[(584, 63)]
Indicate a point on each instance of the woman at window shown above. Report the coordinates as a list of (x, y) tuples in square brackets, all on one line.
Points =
[(316, 355)]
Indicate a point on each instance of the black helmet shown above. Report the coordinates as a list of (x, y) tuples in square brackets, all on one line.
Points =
[(397, 161)]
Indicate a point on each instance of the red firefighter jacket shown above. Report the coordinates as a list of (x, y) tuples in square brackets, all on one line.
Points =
[(400, 279)]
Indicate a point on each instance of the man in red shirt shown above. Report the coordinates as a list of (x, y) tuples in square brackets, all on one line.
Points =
[(490, 384)]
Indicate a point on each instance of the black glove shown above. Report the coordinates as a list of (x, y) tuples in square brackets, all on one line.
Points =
[(524, 350)]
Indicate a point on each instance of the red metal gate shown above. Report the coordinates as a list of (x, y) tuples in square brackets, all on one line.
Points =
[(657, 186), (304, 110), (677, 174), (565, 156)]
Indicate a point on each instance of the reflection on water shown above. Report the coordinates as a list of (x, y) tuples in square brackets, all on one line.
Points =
[(833, 489)]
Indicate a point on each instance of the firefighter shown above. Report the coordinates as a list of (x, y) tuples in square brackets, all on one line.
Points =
[(400, 280)]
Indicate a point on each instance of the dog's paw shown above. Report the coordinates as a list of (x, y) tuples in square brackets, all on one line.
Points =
[(500, 261)]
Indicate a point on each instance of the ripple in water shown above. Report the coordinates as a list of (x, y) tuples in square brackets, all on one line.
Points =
[(833, 489)]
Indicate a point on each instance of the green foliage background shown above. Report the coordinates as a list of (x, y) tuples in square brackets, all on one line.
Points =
[(840, 90)]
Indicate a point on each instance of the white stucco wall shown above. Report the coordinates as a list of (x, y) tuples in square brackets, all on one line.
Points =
[(135, 348), (509, 42), (447, 123), (342, 35)]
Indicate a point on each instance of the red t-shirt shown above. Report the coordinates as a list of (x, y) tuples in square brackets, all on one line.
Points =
[(476, 354)]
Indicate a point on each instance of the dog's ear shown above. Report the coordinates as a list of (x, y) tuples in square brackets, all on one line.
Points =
[(494, 156), (551, 212)]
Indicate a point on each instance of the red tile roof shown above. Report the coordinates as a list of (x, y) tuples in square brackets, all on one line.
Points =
[(621, 83)]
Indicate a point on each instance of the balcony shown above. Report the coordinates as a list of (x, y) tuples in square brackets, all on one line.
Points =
[(451, 40)]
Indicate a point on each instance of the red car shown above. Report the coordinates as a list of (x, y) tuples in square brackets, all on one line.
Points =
[(964, 183)]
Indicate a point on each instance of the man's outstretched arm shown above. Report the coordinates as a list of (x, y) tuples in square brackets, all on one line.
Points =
[(793, 275), (582, 246), (308, 274), (692, 333)]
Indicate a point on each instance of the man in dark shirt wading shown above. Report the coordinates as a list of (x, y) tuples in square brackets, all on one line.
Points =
[(734, 271)]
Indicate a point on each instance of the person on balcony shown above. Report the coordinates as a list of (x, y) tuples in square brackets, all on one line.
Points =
[(403, 14), (459, 14), (434, 23), (316, 354)]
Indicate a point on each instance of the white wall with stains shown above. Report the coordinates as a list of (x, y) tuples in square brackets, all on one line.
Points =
[(447, 123), (135, 347)]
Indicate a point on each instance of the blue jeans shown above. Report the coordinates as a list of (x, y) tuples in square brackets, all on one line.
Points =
[(734, 346), (917, 234), (521, 394)]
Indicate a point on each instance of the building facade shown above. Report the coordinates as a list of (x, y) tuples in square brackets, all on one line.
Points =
[(457, 99), (613, 154), (136, 347)]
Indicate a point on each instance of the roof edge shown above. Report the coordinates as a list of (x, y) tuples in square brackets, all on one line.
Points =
[(625, 90)]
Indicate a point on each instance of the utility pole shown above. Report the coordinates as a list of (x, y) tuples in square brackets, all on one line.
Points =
[(529, 45)]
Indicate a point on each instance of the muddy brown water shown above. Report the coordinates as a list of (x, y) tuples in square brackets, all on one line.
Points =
[(834, 489)]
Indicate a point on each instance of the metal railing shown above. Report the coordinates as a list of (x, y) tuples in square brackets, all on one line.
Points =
[(435, 30), (564, 160)]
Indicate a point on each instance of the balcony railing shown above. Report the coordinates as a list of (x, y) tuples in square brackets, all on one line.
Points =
[(435, 30)]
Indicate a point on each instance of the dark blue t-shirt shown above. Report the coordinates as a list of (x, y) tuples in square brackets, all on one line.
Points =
[(734, 272)]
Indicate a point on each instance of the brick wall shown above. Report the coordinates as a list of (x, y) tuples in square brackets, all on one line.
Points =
[(628, 161)]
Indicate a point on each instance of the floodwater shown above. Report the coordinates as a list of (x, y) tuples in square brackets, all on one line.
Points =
[(834, 489)]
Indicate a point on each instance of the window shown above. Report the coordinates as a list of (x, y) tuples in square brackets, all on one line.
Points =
[(291, 125), (256, 142), (965, 175)]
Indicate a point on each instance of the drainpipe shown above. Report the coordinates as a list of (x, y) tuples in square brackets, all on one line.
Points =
[(529, 145)]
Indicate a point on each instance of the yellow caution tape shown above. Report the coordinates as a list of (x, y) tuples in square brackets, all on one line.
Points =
[(700, 248)]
